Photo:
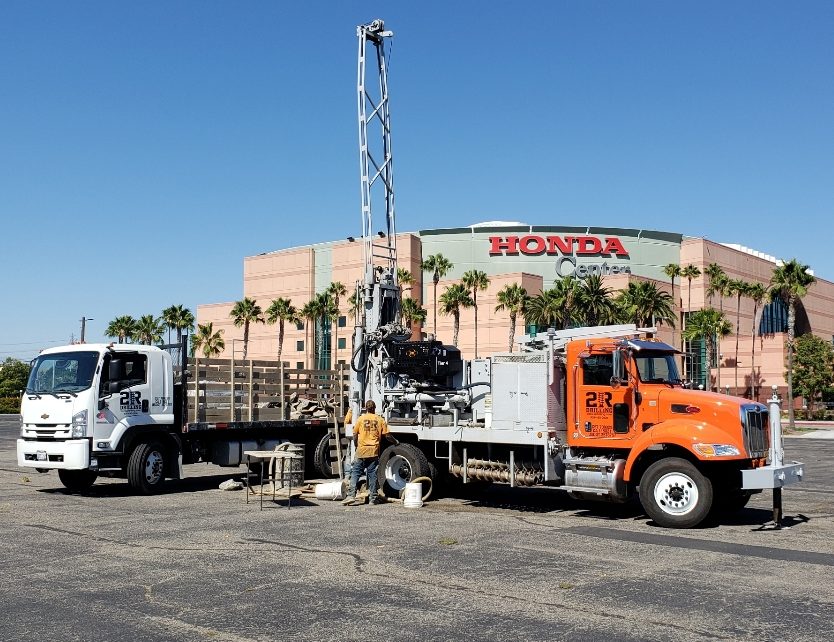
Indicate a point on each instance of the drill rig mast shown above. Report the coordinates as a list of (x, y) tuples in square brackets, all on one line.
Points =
[(378, 294), (386, 366)]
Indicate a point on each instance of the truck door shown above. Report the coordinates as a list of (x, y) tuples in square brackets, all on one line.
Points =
[(124, 392), (602, 410)]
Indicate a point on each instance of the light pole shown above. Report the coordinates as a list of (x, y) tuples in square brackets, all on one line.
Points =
[(84, 326)]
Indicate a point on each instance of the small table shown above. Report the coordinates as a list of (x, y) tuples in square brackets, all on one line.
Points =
[(271, 458)]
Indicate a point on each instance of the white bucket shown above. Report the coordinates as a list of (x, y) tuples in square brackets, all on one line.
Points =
[(413, 496), (329, 490)]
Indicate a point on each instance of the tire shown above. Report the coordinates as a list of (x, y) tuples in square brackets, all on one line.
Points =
[(321, 457), (146, 467), (77, 481), (675, 494), (399, 464)]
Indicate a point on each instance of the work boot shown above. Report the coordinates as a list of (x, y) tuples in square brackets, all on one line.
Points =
[(349, 500), (377, 500)]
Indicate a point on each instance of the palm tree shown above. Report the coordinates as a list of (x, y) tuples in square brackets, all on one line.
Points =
[(336, 290), (674, 270), (646, 304), (688, 272), (122, 327), (245, 312), (595, 301), (757, 293), (717, 283), (281, 311), (439, 266), (544, 310), (707, 324), (567, 293), (353, 305), (451, 301), (739, 288), (327, 311), (404, 278), (512, 298), (207, 341), (790, 282), (149, 329), (309, 312), (413, 312), (475, 280), (179, 318)]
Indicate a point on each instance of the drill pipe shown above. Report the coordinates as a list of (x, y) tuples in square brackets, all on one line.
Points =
[(482, 470)]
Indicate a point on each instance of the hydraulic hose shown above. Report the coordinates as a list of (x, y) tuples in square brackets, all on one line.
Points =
[(420, 479)]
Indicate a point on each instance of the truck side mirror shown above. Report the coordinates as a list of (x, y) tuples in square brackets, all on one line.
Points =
[(619, 374), (116, 370)]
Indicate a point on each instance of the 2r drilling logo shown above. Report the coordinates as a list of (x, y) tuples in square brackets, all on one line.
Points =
[(130, 401)]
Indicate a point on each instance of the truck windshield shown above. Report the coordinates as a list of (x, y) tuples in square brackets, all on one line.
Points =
[(62, 372), (656, 368)]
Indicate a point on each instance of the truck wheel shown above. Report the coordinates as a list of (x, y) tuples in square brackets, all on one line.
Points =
[(675, 494), (77, 480), (399, 464), (321, 457), (146, 467)]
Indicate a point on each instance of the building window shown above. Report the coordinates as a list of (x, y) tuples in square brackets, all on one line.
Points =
[(299, 325), (299, 365), (342, 343), (342, 323), (299, 346)]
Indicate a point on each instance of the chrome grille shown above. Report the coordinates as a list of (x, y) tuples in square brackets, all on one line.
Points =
[(756, 425)]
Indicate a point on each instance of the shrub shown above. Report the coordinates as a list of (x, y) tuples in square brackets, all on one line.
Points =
[(9, 405)]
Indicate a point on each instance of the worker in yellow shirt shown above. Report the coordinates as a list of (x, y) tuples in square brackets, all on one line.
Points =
[(368, 430)]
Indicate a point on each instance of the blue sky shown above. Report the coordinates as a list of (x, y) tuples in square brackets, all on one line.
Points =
[(148, 147)]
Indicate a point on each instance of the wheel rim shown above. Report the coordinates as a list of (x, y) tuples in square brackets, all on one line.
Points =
[(397, 472), (153, 467), (676, 494)]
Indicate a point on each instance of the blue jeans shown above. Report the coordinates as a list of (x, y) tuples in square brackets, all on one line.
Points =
[(369, 467)]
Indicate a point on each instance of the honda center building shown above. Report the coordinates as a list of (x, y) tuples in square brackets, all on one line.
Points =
[(534, 257)]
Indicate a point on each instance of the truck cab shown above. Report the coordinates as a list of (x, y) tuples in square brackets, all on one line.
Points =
[(677, 445), (84, 402)]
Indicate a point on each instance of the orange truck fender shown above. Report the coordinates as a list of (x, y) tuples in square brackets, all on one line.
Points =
[(684, 433)]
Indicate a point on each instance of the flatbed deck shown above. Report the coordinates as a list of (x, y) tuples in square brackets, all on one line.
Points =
[(205, 426)]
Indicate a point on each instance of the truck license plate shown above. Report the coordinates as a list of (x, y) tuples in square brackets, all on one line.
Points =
[(41, 455)]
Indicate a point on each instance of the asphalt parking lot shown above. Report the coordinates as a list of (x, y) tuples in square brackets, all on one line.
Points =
[(197, 563)]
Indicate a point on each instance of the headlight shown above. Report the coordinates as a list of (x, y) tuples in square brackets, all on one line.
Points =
[(716, 450), (79, 424)]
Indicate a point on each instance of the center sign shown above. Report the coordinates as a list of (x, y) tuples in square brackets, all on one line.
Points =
[(567, 248)]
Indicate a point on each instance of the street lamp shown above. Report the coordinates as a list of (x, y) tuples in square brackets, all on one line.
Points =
[(84, 326)]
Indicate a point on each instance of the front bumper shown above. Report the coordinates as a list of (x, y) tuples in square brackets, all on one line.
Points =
[(73, 454), (772, 476)]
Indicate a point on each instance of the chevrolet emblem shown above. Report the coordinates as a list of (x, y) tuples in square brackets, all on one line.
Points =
[(44, 416)]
